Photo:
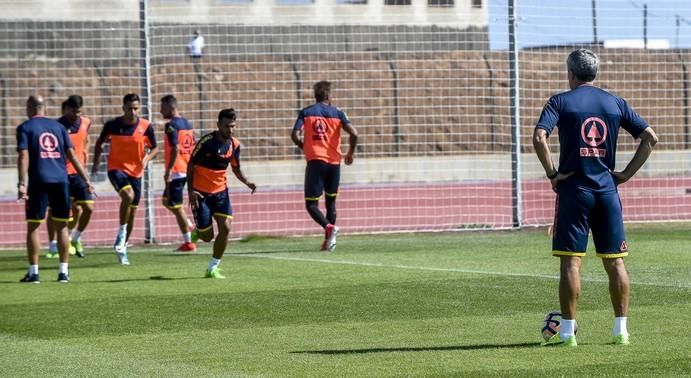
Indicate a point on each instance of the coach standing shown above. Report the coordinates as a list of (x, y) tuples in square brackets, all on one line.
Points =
[(43, 145), (589, 119)]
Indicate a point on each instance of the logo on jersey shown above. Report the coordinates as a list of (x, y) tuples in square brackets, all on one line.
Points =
[(49, 145), (187, 144), (319, 129), (593, 133)]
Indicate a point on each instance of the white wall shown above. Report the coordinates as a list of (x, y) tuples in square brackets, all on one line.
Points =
[(258, 12)]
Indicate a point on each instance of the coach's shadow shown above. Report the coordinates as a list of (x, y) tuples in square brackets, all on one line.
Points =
[(419, 349)]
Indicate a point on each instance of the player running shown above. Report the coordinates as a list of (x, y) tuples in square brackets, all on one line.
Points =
[(320, 125), (44, 147), (208, 188), (179, 145), (77, 127), (589, 119), (130, 136)]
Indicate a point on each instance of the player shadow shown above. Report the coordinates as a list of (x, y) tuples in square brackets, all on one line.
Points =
[(419, 349), (151, 278)]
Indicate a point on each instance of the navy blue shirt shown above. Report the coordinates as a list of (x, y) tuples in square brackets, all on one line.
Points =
[(173, 127), (46, 140), (210, 153), (589, 119)]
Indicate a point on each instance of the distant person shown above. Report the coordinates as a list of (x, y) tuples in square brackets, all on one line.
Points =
[(44, 147), (77, 127), (320, 125), (586, 184), (179, 145), (130, 137), (208, 187), (195, 47)]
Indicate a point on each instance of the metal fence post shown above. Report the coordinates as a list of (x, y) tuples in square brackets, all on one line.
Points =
[(514, 83), (149, 216)]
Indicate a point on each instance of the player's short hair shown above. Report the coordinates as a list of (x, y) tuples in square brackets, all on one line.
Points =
[(74, 102), (227, 113), (130, 97), (583, 63), (322, 90), (170, 100)]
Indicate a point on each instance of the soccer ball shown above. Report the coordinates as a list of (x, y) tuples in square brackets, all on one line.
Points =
[(550, 326)]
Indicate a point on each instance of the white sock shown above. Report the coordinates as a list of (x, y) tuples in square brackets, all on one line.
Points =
[(122, 229), (567, 328), (33, 269), (76, 235), (187, 237), (214, 263), (620, 326), (53, 247), (63, 268)]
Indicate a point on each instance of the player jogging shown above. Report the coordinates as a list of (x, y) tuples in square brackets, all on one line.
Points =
[(77, 127), (179, 144), (320, 125), (589, 119), (130, 137), (208, 188), (44, 147)]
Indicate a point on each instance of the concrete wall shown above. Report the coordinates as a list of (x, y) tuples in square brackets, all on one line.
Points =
[(257, 12)]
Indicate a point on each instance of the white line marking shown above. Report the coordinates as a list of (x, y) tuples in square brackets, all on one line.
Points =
[(434, 269)]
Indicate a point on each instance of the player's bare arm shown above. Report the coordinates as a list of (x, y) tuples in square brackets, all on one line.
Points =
[(80, 169), (191, 193), (297, 138), (352, 143), (171, 162), (98, 150), (545, 156), (645, 148), (150, 156), (22, 172), (87, 145), (241, 177)]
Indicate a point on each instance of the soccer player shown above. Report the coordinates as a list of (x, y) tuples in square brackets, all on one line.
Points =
[(320, 125), (77, 127), (208, 188), (586, 184), (179, 144), (130, 136), (43, 147)]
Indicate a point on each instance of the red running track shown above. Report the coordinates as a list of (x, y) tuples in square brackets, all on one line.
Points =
[(380, 208)]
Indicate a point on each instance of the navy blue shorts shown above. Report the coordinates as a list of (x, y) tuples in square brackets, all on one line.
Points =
[(214, 204), (578, 211), (56, 195), (321, 177), (79, 191), (172, 195), (120, 181)]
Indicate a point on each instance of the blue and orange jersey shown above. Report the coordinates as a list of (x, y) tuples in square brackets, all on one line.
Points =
[(179, 133), (128, 145), (78, 133), (46, 140), (321, 125), (211, 158), (589, 119)]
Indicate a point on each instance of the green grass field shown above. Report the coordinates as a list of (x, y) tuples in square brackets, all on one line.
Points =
[(447, 304)]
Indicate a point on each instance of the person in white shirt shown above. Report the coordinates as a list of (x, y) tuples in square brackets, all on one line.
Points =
[(196, 45)]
